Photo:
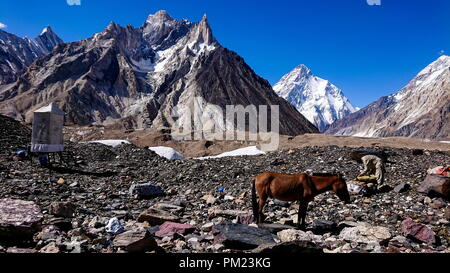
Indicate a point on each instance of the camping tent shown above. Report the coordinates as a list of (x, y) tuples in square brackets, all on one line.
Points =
[(48, 125)]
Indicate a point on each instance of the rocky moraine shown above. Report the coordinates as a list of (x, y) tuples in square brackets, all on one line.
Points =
[(128, 199)]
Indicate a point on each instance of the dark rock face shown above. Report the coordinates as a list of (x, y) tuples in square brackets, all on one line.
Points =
[(134, 77), (217, 76), (357, 118), (236, 236), (162, 30), (19, 219)]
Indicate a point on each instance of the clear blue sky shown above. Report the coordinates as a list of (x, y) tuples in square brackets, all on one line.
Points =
[(367, 51)]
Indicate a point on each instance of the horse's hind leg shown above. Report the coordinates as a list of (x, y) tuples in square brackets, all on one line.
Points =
[(262, 203)]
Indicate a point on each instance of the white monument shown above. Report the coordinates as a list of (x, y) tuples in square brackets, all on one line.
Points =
[(48, 123)]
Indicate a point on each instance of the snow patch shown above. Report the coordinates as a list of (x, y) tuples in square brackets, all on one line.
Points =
[(248, 151), (45, 30), (143, 65), (167, 152)]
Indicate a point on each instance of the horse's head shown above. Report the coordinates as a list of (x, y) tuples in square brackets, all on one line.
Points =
[(340, 188)]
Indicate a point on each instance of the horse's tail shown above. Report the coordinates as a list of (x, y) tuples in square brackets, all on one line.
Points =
[(254, 201)]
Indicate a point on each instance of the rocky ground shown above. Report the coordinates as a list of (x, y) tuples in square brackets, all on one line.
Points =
[(128, 199), (196, 149)]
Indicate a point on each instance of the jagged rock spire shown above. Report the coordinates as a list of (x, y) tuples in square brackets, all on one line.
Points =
[(203, 33)]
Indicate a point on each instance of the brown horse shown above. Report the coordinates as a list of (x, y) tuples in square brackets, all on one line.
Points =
[(295, 187)]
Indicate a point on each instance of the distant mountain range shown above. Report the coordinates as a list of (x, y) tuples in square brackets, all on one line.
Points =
[(317, 99), (420, 109), (16, 53), (135, 77)]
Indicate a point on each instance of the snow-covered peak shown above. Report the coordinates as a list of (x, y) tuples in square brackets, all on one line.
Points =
[(159, 18), (47, 29), (441, 63), (427, 76), (419, 109), (321, 102), (301, 70), (47, 40)]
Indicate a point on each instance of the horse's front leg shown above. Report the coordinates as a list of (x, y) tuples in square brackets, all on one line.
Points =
[(302, 215)]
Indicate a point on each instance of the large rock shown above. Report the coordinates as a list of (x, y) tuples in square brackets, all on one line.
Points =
[(19, 219), (214, 211), (297, 247), (274, 227), (169, 207), (114, 226), (242, 237), (14, 250), (418, 231), (168, 229), (156, 217), (435, 185), (135, 241), (323, 226), (62, 209), (402, 187), (146, 191), (292, 235), (365, 233)]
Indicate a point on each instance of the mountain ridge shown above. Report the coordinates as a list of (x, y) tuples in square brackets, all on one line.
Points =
[(137, 76), (420, 109), (18, 53)]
